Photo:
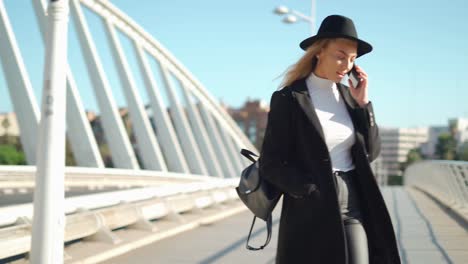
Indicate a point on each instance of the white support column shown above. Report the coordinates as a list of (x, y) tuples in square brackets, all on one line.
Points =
[(228, 170), (125, 24), (155, 50), (201, 134), (83, 143), (164, 129), (241, 140), (79, 132), (244, 162), (216, 108), (221, 113), (123, 155), (148, 146), (189, 145), (19, 86), (232, 126), (234, 153), (48, 227)]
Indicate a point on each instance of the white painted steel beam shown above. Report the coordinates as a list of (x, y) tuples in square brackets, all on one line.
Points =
[(19, 86), (219, 147), (148, 146), (172, 150), (224, 122), (189, 145), (127, 25), (83, 143), (122, 153), (79, 132), (146, 42), (234, 152), (201, 135)]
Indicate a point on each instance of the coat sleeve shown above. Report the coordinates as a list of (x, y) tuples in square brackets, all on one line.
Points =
[(368, 127), (275, 162)]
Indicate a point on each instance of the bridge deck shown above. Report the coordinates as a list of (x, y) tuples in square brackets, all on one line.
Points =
[(427, 233)]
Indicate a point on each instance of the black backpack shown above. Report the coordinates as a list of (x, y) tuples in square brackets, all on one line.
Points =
[(258, 195)]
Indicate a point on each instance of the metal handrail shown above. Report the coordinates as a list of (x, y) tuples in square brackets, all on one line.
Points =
[(12, 177)]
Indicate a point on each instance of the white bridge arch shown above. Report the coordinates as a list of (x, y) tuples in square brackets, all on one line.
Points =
[(197, 137)]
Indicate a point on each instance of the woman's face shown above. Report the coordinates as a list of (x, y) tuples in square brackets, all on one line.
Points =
[(336, 59)]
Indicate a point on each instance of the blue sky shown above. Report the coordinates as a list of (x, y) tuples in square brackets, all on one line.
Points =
[(237, 49)]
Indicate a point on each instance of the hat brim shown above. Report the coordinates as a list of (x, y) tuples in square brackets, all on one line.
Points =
[(363, 47)]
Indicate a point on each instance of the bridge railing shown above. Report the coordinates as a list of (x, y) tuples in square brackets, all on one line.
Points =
[(95, 216), (447, 181), (22, 177)]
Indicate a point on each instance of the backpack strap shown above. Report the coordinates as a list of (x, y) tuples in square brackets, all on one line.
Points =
[(269, 227), (248, 154)]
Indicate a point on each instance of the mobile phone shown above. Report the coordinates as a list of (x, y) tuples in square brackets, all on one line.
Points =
[(353, 76)]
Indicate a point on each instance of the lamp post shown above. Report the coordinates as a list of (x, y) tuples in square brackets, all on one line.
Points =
[(49, 200), (292, 16)]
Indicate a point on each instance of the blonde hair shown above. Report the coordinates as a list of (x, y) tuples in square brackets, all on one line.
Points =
[(306, 63)]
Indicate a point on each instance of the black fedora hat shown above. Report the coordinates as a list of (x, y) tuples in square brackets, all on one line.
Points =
[(336, 26)]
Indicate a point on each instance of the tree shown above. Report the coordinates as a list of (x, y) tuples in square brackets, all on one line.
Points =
[(5, 124), (412, 156), (69, 157), (462, 153), (10, 156), (446, 147)]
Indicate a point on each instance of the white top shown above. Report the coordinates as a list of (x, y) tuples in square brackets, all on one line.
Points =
[(336, 123)]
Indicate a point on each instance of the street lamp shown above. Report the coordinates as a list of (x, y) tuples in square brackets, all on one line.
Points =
[(292, 16), (290, 19), (281, 10)]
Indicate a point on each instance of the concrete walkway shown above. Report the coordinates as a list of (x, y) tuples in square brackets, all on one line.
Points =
[(427, 233)]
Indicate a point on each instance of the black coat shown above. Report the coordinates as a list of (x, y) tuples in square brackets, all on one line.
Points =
[(296, 160)]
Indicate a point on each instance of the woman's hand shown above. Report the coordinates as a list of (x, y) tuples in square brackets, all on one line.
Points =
[(360, 93)]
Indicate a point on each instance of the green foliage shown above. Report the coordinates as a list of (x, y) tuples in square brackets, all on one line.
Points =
[(9, 155), (446, 147), (462, 153), (6, 124), (69, 157), (395, 180), (412, 156)]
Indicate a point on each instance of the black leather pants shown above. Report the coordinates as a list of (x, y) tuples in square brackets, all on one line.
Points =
[(350, 211)]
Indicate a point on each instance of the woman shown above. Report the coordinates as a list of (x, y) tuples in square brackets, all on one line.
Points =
[(320, 139)]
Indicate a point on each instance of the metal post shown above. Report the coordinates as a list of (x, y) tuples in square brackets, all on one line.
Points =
[(49, 216)]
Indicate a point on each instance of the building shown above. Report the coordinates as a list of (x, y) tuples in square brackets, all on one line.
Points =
[(252, 119), (380, 171), (428, 149), (459, 130), (396, 144), (457, 127), (9, 124)]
